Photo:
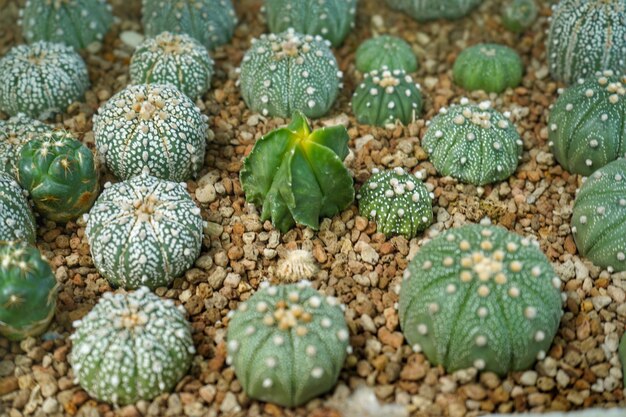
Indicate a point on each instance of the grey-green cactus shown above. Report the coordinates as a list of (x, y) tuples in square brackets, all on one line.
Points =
[(385, 51), (480, 296), (15, 133), (16, 218), (518, 15), (489, 67), (422, 10), (287, 343)]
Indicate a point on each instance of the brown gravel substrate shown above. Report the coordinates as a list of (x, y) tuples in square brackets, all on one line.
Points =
[(358, 265)]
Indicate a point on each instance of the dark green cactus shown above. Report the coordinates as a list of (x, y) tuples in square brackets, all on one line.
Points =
[(518, 15), (15, 133), (422, 10), (16, 218), (385, 51), (489, 67)]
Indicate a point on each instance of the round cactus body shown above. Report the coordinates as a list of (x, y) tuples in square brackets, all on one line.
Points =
[(385, 51), (131, 347), (173, 59), (518, 15), (15, 133), (422, 10), (16, 218), (41, 79), (285, 72), (480, 296), (474, 144), (587, 125), (489, 67), (385, 96), (586, 36), (331, 19), (77, 23), (287, 344), (153, 129)]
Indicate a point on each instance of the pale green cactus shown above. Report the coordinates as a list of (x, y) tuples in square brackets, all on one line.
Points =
[(385, 51), (422, 10)]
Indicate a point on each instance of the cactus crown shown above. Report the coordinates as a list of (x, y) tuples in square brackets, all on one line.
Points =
[(16, 218), (15, 133), (422, 10), (518, 15), (385, 51), (489, 67)]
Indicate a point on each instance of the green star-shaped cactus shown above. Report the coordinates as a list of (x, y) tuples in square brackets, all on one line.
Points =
[(422, 10), (385, 51), (489, 67)]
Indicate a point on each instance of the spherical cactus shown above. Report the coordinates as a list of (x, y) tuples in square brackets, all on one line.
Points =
[(59, 174), (331, 19), (144, 232), (131, 347), (586, 124), (287, 344), (399, 202), (489, 67), (15, 133), (518, 15), (153, 129), (385, 96), (41, 79), (480, 296), (212, 22), (16, 218), (422, 10), (385, 51), (173, 59), (287, 72), (474, 144), (586, 37), (77, 23)]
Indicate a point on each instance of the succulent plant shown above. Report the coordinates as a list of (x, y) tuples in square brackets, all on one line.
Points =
[(41, 79), (385, 51), (16, 218), (474, 144), (285, 72), (297, 175), (153, 129), (587, 123), (422, 10), (489, 67), (179, 60), (287, 343), (131, 347), (622, 356), (480, 296), (331, 19), (59, 174), (212, 22), (298, 264), (385, 96), (144, 232), (77, 23), (586, 37), (15, 133), (518, 15)]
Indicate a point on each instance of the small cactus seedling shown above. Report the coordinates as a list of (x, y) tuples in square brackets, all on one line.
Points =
[(16, 218), (15, 133), (398, 201), (77, 23), (179, 60), (153, 129), (331, 19), (587, 123), (586, 37), (41, 79), (59, 174), (298, 264), (287, 344), (489, 67), (385, 51), (285, 72), (422, 10), (297, 175), (131, 347), (144, 232), (519, 15), (480, 296), (385, 96), (474, 144)]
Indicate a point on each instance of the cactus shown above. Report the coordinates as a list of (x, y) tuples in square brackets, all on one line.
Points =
[(16, 218), (519, 15), (41, 79), (131, 347), (298, 176), (179, 60), (211, 22), (385, 96), (15, 133), (287, 343), (397, 201), (153, 129), (474, 144), (480, 296), (144, 232), (298, 264), (385, 51), (489, 67), (422, 10), (586, 36), (60, 175), (77, 23), (287, 72), (586, 124), (331, 19), (622, 357)]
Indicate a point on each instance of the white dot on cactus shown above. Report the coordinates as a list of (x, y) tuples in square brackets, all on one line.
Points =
[(479, 364), (451, 288), (482, 312), (539, 336), (556, 282), (514, 292), (417, 348), (481, 340), (422, 329), (541, 355), (433, 308), (326, 322), (270, 362), (530, 312), (267, 383), (233, 345), (311, 350), (278, 340), (317, 372)]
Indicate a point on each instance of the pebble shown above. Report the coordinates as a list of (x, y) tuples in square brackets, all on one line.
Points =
[(206, 194), (529, 378), (368, 254), (131, 38), (600, 302)]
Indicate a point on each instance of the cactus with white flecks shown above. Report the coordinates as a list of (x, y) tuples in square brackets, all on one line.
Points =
[(16, 218), (385, 51), (422, 10), (518, 15), (14, 134)]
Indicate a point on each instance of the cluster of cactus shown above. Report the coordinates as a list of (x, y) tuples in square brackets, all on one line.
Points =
[(287, 343), (15, 133), (518, 15), (16, 218), (422, 10), (41, 79), (131, 347), (385, 51), (489, 67)]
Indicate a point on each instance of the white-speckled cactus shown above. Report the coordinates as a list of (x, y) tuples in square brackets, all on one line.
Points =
[(14, 134), (153, 129), (131, 347), (422, 10), (16, 218), (144, 232)]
